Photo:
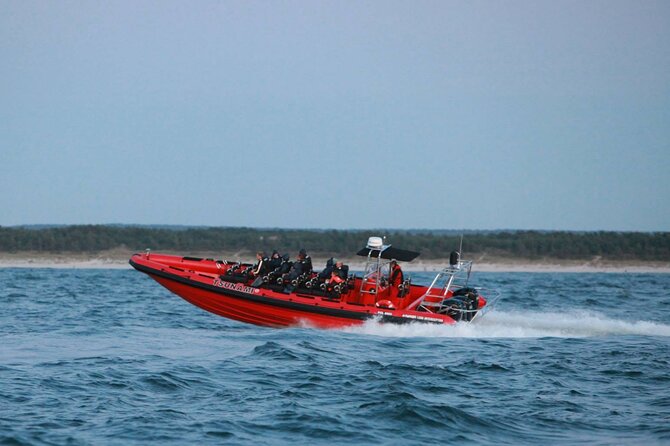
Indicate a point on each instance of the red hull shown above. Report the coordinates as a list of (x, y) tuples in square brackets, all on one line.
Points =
[(198, 281)]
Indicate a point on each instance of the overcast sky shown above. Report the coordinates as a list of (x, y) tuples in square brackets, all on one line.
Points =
[(342, 114)]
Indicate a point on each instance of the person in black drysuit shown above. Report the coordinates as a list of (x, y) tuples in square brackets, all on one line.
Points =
[(340, 272), (259, 269), (274, 261), (307, 262), (338, 275), (261, 266), (285, 265), (327, 271), (301, 266)]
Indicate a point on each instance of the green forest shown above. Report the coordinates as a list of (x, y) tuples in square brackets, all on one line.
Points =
[(647, 246)]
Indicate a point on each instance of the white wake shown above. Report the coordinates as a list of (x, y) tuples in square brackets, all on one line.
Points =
[(500, 324)]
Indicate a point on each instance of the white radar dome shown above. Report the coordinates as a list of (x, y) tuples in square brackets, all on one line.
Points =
[(375, 242)]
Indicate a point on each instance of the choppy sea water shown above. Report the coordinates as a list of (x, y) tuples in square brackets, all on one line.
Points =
[(110, 357)]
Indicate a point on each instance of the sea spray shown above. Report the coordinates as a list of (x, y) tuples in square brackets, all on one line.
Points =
[(530, 324)]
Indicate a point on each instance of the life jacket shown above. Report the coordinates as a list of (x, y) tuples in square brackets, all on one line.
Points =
[(396, 275), (342, 273)]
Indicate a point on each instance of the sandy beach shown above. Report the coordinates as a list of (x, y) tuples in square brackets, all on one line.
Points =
[(118, 259)]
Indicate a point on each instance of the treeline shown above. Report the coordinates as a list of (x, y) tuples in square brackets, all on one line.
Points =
[(524, 244)]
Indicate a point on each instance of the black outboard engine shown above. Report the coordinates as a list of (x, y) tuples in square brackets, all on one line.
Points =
[(467, 301), (455, 308)]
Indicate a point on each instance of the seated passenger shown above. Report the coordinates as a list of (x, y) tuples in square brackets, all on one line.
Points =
[(306, 261), (301, 266), (275, 261), (285, 265), (261, 266), (327, 271), (340, 273)]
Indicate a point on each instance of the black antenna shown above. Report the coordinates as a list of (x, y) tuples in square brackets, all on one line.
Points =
[(460, 251), (455, 256)]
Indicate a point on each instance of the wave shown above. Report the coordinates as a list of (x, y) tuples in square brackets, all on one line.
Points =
[(528, 324)]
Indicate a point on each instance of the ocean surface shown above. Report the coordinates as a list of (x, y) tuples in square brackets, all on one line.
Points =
[(110, 357)]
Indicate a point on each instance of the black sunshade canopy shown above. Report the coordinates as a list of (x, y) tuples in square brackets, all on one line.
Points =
[(390, 253)]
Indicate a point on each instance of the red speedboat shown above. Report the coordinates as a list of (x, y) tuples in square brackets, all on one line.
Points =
[(278, 300)]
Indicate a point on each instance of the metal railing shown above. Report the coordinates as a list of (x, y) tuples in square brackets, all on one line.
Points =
[(440, 298)]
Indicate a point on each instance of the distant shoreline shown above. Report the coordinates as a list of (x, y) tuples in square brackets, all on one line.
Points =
[(118, 259)]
